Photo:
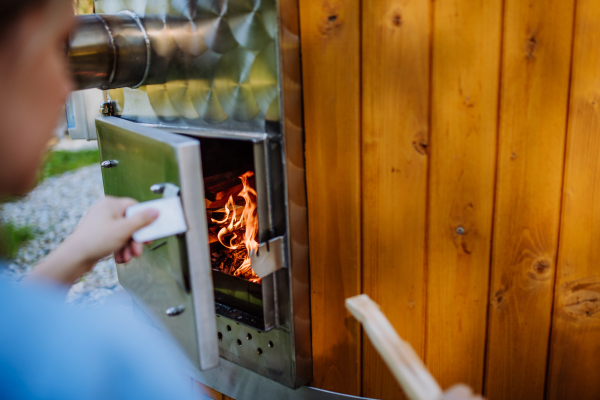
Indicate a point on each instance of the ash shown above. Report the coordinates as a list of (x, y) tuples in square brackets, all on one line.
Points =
[(54, 208)]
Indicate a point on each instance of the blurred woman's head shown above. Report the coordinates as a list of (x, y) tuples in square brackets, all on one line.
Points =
[(34, 82)]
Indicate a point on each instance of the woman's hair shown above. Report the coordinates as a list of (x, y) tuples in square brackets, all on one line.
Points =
[(11, 10)]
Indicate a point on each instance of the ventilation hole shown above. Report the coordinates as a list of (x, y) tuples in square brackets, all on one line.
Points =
[(239, 342), (220, 335), (228, 328), (249, 336), (270, 344), (259, 351)]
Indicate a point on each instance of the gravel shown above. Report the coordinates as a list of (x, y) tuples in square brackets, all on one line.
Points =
[(54, 208)]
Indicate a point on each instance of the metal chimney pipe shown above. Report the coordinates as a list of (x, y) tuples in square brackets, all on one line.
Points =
[(109, 51)]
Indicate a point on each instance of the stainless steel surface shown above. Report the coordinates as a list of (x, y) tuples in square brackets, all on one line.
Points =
[(175, 310), (295, 194), (242, 384), (109, 163), (178, 273), (272, 362), (231, 69), (109, 51), (269, 258), (212, 63), (231, 379)]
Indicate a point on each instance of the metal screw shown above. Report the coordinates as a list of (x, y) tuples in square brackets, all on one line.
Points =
[(173, 311), (460, 230), (109, 163)]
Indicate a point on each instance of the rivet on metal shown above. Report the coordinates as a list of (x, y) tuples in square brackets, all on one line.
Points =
[(173, 311), (109, 163)]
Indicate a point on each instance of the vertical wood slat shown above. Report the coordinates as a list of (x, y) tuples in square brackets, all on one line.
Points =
[(330, 40), (534, 98), (464, 107), (575, 345), (395, 87)]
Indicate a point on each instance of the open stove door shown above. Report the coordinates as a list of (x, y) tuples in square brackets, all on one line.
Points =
[(172, 281)]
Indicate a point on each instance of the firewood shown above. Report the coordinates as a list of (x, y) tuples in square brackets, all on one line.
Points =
[(404, 363), (230, 187)]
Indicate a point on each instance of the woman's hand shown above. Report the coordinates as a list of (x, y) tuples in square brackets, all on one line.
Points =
[(102, 230)]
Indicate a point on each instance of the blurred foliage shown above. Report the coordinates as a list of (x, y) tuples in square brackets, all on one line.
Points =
[(83, 6), (59, 162), (12, 237)]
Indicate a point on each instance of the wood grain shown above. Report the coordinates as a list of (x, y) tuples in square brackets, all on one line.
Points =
[(395, 77), (534, 102), (464, 107), (575, 345), (330, 39)]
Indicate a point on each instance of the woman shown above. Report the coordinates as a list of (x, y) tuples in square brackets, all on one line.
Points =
[(47, 351)]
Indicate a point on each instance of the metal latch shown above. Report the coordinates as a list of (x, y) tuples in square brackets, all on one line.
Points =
[(166, 189), (107, 108), (268, 258)]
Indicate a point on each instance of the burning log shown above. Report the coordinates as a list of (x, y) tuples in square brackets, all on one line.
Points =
[(234, 225)]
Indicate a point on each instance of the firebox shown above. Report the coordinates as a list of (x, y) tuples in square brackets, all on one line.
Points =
[(203, 103)]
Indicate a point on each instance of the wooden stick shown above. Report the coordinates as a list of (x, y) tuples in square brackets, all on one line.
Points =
[(405, 364)]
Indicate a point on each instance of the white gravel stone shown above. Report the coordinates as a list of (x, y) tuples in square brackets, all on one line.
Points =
[(75, 145), (54, 208)]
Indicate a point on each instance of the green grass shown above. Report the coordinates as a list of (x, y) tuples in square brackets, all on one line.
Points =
[(13, 237), (59, 162)]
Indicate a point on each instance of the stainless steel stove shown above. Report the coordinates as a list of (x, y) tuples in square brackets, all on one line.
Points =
[(199, 93)]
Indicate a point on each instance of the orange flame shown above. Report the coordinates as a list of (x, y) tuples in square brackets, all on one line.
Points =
[(228, 236)]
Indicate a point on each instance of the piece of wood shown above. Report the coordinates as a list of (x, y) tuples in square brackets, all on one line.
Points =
[(395, 83), (331, 83), (464, 107), (534, 101), (575, 345), (400, 357)]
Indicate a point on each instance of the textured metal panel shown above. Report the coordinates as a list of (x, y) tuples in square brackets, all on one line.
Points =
[(214, 64)]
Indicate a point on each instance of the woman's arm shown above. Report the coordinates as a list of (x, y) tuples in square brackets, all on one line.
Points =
[(102, 231)]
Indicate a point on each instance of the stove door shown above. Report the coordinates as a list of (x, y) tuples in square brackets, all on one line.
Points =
[(172, 280)]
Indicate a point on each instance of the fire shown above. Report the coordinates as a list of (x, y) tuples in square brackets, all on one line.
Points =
[(238, 231)]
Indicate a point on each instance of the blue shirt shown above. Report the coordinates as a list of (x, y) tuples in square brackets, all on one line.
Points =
[(49, 350)]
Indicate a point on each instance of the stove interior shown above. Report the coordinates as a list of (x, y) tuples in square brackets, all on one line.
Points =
[(232, 216)]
